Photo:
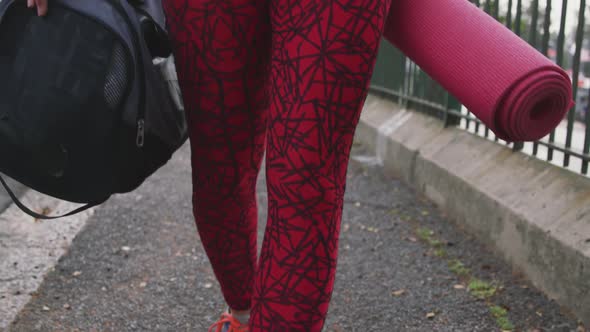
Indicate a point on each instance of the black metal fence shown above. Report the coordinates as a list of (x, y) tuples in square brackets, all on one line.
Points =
[(556, 29)]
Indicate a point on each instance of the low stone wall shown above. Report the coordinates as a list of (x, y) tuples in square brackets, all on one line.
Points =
[(536, 215)]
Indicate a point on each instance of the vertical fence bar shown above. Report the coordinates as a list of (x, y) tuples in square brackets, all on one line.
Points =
[(518, 18), (402, 79), (496, 11), (477, 3), (408, 82), (402, 89), (451, 104), (509, 15), (546, 26), (576, 75), (517, 29), (407, 78), (544, 49), (412, 85), (487, 6), (467, 121), (416, 78), (559, 61), (403, 74), (586, 137), (496, 15), (488, 9), (411, 78), (418, 87), (518, 146), (534, 23), (509, 26)]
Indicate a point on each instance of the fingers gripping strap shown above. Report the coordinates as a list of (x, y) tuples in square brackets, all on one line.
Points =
[(40, 216)]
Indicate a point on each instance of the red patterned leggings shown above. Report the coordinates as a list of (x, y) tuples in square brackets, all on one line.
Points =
[(288, 77)]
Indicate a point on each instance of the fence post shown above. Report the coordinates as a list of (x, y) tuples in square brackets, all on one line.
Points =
[(518, 146), (450, 119)]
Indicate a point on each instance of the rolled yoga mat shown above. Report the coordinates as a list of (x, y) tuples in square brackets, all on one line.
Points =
[(510, 86)]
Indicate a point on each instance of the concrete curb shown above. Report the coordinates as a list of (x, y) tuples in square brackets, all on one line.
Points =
[(29, 248), (537, 216)]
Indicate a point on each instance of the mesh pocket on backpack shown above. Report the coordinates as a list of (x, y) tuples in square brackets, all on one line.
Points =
[(117, 79)]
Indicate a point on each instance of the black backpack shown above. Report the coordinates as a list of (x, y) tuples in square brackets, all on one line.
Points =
[(89, 105)]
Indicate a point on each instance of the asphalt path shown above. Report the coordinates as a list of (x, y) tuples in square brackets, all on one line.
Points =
[(138, 265)]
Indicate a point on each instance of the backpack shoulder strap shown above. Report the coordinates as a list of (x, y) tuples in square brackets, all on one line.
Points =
[(40, 216), (4, 4)]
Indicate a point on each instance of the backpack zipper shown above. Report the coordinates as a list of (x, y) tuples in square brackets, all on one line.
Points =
[(140, 134), (140, 138)]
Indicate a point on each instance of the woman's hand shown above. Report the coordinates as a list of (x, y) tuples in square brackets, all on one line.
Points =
[(40, 4)]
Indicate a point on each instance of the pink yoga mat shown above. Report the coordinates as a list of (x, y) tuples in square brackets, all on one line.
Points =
[(515, 90)]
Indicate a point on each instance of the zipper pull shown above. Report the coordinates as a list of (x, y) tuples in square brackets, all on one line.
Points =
[(140, 139)]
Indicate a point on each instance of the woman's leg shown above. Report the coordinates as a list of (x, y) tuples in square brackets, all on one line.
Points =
[(323, 53), (221, 50)]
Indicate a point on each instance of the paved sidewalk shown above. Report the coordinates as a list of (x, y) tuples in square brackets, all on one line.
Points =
[(138, 266)]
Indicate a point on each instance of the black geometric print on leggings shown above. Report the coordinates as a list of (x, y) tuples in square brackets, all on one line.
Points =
[(288, 78)]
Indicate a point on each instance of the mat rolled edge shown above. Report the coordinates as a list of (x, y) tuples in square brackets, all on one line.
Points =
[(524, 101)]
